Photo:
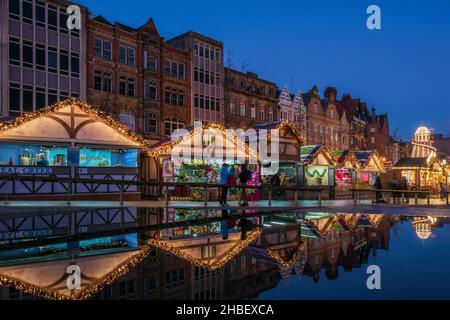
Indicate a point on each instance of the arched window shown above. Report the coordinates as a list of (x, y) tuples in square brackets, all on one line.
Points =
[(128, 119), (172, 124)]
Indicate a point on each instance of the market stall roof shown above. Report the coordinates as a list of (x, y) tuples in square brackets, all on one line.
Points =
[(315, 154), (412, 163), (189, 249), (70, 121), (370, 161), (190, 136), (280, 125), (345, 159), (48, 279)]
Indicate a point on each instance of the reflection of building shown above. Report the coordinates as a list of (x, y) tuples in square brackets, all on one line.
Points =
[(423, 226)]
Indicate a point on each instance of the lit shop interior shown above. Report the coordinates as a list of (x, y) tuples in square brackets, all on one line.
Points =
[(43, 155)]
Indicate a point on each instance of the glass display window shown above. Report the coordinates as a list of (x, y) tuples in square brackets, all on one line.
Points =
[(21, 154), (97, 157)]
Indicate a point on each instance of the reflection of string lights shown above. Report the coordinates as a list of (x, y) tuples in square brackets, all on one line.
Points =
[(290, 262), (166, 246)]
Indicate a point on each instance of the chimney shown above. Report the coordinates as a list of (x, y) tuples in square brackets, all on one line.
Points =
[(374, 114)]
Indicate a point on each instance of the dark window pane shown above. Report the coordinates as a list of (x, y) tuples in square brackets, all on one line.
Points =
[(64, 62), (14, 51), (27, 11), (27, 98), (27, 54), (14, 9), (40, 56), (40, 15), (40, 99), (14, 98), (52, 18), (75, 65)]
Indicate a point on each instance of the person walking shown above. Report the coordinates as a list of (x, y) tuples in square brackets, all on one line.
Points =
[(244, 177), (225, 173), (276, 182)]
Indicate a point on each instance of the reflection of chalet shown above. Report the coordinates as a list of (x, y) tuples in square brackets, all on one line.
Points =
[(48, 279)]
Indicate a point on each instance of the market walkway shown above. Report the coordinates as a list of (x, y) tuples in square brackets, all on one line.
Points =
[(436, 206)]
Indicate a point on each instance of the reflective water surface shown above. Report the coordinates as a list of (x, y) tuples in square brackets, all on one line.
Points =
[(134, 255)]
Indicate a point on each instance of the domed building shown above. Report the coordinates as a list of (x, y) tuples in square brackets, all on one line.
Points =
[(425, 168)]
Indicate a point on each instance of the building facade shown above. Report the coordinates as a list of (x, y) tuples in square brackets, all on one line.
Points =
[(378, 137), (291, 107), (207, 74), (249, 100), (137, 77), (41, 60), (326, 120), (358, 117)]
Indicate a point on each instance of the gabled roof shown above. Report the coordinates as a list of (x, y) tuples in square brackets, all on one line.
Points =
[(68, 120), (370, 158), (308, 154), (280, 124), (166, 145), (341, 157)]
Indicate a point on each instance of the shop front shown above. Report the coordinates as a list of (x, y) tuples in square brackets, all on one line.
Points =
[(182, 161), (317, 169), (68, 140), (371, 167), (347, 168)]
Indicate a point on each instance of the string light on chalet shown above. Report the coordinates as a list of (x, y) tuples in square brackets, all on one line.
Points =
[(91, 110), (167, 148)]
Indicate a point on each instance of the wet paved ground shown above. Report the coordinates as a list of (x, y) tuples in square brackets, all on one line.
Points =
[(436, 206)]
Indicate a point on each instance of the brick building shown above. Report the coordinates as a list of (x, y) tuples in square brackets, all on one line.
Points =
[(249, 100), (207, 74), (358, 117), (137, 77), (378, 137), (41, 60), (326, 120)]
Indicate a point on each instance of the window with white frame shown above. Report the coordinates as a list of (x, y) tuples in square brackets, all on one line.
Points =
[(103, 48), (150, 122), (151, 89), (262, 114), (242, 108), (172, 124), (253, 112), (128, 119)]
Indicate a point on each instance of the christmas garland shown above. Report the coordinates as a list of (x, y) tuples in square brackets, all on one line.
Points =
[(316, 173)]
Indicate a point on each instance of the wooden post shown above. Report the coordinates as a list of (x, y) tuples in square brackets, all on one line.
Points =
[(270, 196), (167, 196), (69, 192), (428, 198), (354, 198), (403, 198), (446, 198), (206, 195), (121, 192), (296, 198), (416, 200), (320, 198)]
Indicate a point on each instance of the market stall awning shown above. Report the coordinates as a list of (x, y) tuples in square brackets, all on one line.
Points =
[(316, 155), (370, 161), (280, 125), (70, 121)]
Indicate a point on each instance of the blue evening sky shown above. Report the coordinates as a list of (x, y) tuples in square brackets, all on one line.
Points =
[(403, 69)]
